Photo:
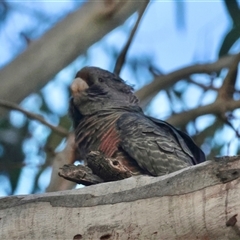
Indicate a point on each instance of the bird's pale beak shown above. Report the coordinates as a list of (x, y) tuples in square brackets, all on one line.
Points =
[(78, 86)]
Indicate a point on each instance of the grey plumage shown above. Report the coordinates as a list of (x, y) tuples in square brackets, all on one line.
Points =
[(107, 118)]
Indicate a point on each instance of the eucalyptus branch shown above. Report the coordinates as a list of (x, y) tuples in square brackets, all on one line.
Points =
[(122, 56), (12, 106), (217, 108), (146, 93)]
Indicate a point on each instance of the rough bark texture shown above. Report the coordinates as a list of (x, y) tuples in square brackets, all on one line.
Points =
[(70, 38), (194, 203)]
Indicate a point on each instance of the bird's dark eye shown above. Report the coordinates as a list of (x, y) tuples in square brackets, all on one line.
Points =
[(100, 80)]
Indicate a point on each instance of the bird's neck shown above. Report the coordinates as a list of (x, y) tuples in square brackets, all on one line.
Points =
[(113, 111)]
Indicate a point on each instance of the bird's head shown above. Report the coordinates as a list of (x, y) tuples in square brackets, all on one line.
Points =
[(95, 89)]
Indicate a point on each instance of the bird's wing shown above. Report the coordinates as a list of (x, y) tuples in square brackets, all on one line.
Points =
[(155, 148), (185, 141)]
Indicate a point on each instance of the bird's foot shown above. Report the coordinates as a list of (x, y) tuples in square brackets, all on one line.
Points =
[(110, 169)]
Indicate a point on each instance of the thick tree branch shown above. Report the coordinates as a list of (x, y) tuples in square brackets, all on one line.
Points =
[(45, 57), (12, 106), (121, 58), (146, 93), (199, 202)]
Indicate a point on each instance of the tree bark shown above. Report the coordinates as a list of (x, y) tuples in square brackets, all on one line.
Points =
[(199, 202), (71, 37)]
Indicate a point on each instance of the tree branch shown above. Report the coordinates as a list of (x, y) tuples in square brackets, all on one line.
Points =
[(228, 87), (110, 168), (199, 202), (146, 93), (233, 10), (12, 106), (218, 107), (203, 86), (45, 57), (121, 58), (221, 105), (79, 174)]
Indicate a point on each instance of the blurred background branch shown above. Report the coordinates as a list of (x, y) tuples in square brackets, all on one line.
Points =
[(59, 130), (146, 93)]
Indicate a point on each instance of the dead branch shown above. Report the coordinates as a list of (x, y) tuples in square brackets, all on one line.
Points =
[(110, 167), (79, 174)]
